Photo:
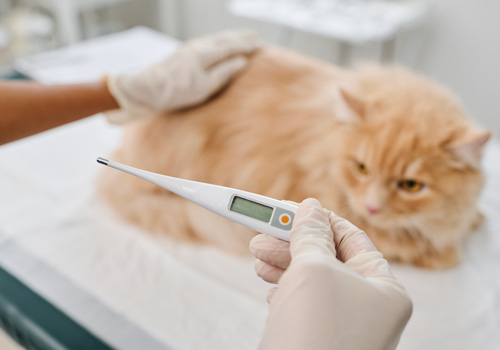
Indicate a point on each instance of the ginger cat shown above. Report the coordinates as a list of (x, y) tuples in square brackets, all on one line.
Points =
[(388, 150)]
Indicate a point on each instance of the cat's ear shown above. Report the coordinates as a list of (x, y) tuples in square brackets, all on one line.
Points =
[(349, 107), (469, 149)]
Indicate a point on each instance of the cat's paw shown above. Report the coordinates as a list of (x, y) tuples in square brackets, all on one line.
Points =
[(478, 221), (445, 259)]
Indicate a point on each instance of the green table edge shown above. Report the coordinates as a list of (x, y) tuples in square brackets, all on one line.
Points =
[(36, 324)]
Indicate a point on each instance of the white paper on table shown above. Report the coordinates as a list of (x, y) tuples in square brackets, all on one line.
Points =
[(86, 61)]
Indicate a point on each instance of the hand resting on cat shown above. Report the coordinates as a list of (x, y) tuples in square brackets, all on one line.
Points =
[(387, 149)]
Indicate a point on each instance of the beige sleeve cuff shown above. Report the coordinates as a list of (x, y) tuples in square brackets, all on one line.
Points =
[(128, 110)]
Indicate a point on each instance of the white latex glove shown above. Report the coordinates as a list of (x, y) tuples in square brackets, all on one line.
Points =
[(335, 290), (188, 77)]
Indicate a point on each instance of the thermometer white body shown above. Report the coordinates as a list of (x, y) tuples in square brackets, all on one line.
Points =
[(260, 213)]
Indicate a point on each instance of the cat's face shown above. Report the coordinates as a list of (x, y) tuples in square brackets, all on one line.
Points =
[(403, 165), (394, 176)]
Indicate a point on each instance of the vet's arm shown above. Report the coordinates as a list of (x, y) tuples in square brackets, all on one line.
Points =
[(191, 75), (335, 289), (27, 108)]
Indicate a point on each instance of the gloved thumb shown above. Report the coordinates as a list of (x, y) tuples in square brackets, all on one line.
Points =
[(311, 237), (220, 74), (349, 240)]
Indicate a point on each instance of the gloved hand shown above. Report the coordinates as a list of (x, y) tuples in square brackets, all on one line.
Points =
[(188, 77), (335, 290)]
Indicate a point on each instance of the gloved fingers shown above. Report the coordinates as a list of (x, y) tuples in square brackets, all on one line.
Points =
[(220, 74), (272, 251), (270, 294), (349, 240), (216, 48), (311, 234), (267, 272)]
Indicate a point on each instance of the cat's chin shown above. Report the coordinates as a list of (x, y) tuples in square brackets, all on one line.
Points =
[(384, 222)]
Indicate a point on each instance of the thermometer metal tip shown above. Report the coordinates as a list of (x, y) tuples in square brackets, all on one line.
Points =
[(102, 161)]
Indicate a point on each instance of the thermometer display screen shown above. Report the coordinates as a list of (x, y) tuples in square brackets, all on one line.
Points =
[(251, 209)]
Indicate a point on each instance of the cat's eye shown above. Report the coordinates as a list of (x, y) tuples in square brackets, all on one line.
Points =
[(410, 185), (362, 168)]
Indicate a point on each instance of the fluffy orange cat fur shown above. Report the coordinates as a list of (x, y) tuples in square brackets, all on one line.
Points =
[(387, 149)]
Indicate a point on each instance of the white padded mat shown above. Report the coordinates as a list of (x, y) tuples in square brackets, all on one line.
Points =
[(192, 297), (186, 296)]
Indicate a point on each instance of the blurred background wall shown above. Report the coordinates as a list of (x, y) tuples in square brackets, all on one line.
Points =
[(459, 45), (460, 48), (463, 52)]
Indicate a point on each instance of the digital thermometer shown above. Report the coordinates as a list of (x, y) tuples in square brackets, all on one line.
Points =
[(260, 213)]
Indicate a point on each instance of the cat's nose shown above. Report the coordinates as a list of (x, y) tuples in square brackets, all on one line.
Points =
[(372, 210)]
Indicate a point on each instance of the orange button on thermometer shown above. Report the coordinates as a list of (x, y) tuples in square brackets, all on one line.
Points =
[(285, 219)]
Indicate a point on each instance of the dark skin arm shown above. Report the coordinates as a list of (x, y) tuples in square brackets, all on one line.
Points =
[(27, 108)]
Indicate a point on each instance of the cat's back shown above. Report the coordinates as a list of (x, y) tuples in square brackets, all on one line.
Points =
[(278, 93), (273, 66)]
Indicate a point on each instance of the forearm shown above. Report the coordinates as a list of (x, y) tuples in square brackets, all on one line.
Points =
[(27, 108)]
